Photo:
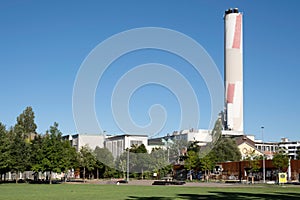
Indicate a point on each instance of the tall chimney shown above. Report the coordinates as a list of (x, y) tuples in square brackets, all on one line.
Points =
[(233, 70)]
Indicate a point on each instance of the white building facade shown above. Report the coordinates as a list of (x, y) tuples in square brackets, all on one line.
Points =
[(118, 144), (291, 147), (80, 140)]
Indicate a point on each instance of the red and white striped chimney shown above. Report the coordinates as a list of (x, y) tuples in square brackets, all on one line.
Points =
[(234, 69)]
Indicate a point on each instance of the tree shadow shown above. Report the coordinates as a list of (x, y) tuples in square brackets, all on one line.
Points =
[(224, 195), (149, 198), (240, 196)]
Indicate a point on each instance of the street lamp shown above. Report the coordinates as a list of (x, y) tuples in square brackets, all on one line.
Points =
[(263, 148), (127, 165), (127, 176), (167, 141)]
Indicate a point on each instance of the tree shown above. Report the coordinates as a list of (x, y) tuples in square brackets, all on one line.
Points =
[(25, 121), (191, 162), (207, 163), (37, 155), (139, 159), (4, 151), (105, 161), (226, 150), (280, 161), (121, 163), (177, 151), (216, 135), (254, 161), (19, 151), (87, 159), (158, 160), (49, 153), (70, 157), (138, 149), (53, 151)]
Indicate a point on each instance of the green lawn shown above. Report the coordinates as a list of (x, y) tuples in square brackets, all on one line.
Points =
[(94, 191)]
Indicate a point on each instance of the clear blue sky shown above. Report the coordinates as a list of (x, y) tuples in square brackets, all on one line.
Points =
[(43, 43)]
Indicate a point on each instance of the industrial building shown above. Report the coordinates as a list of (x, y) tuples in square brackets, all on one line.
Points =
[(232, 116)]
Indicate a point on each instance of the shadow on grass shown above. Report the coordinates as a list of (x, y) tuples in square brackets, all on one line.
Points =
[(149, 198), (225, 195)]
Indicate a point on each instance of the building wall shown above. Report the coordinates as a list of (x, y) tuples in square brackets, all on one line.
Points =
[(200, 135), (91, 140), (247, 150), (115, 146), (203, 136), (291, 148), (237, 169), (118, 144), (80, 140)]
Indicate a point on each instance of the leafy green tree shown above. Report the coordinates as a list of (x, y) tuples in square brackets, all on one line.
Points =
[(144, 163), (70, 158), (254, 161), (194, 146), (105, 161), (4, 151), (140, 159), (87, 159), (121, 163), (53, 151), (49, 153), (226, 150), (207, 163), (281, 161), (216, 135), (25, 121), (138, 149), (158, 160), (37, 155), (192, 161), (176, 149), (19, 152)]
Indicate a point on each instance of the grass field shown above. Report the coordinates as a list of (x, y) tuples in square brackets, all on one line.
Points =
[(135, 192)]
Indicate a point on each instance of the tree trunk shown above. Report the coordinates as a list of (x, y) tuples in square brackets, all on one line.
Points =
[(50, 178), (17, 176), (97, 173), (84, 174), (206, 176)]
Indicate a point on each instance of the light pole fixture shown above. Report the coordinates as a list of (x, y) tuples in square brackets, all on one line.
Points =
[(263, 148), (127, 165), (127, 162)]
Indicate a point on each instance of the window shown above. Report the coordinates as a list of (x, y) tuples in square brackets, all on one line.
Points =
[(136, 142)]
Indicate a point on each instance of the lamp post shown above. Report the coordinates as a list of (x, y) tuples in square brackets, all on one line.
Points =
[(168, 141), (127, 165), (263, 148)]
